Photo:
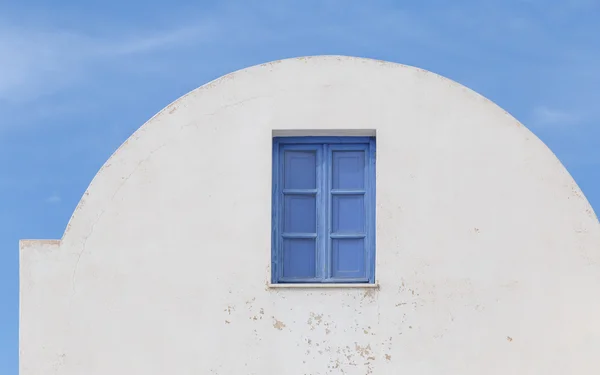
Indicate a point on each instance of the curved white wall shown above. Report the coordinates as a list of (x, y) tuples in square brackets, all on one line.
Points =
[(488, 255)]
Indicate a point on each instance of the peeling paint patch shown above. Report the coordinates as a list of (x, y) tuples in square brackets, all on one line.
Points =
[(364, 351), (278, 324), (369, 294), (229, 309)]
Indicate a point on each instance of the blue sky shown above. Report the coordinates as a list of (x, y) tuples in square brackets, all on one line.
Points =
[(77, 78)]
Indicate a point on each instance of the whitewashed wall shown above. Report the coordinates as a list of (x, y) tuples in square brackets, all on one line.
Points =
[(488, 255)]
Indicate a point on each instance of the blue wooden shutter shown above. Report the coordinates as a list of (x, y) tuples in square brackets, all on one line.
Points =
[(299, 185), (348, 211)]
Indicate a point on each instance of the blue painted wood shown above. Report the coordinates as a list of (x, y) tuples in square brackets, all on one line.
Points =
[(299, 213), (348, 258), (349, 172), (275, 212), (348, 235), (371, 211), (347, 192), (299, 235), (300, 191), (323, 210), (348, 214), (348, 169), (299, 258), (300, 169), (326, 210)]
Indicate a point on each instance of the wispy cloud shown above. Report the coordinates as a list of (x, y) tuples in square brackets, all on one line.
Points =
[(545, 116), (53, 199), (37, 62)]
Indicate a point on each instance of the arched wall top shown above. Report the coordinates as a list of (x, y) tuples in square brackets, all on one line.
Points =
[(294, 79)]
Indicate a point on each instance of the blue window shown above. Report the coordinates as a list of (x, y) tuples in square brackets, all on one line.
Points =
[(323, 210)]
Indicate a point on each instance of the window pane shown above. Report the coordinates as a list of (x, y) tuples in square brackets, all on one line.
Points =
[(299, 258), (348, 214), (348, 258), (299, 213), (348, 169), (300, 169)]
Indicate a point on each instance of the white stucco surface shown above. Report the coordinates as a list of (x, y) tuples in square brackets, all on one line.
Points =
[(488, 254)]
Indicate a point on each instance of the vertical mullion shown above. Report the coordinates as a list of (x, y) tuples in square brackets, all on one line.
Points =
[(321, 214), (319, 239), (327, 205)]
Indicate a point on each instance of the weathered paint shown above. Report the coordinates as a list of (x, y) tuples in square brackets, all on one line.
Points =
[(488, 254)]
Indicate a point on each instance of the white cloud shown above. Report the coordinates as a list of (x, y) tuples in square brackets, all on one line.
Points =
[(37, 62), (53, 199), (545, 116)]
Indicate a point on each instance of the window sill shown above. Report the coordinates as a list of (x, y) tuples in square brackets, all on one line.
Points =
[(324, 285)]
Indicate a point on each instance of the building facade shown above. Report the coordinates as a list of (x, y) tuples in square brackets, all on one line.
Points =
[(321, 215)]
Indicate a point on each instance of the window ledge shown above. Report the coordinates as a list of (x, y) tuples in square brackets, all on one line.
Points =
[(323, 285)]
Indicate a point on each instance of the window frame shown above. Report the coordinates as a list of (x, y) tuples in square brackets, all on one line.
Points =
[(323, 145)]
